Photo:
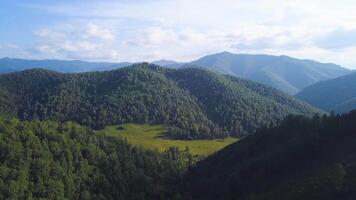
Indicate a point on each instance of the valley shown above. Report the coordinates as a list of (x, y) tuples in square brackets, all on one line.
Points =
[(153, 137)]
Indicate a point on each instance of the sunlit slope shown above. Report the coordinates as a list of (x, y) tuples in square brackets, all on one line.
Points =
[(152, 137)]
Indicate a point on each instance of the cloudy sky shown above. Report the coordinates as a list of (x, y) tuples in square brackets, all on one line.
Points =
[(146, 30)]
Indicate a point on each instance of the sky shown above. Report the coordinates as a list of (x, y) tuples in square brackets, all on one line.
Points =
[(181, 30)]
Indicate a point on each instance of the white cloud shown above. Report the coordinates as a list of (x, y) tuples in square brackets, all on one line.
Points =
[(48, 33), (97, 32), (160, 37), (77, 46), (153, 36), (69, 41)]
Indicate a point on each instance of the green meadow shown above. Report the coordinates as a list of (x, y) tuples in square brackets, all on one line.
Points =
[(151, 137)]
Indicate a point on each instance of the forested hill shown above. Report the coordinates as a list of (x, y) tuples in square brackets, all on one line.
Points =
[(337, 95), (302, 159), (193, 103), (48, 160)]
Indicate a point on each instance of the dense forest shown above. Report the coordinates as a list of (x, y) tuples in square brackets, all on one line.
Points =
[(193, 103), (302, 158), (340, 94), (58, 161)]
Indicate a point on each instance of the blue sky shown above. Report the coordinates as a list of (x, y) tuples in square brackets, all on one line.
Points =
[(146, 30)]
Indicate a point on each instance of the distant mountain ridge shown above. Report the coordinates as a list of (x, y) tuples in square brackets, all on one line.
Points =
[(281, 72), (71, 66), (14, 64), (337, 95), (168, 63)]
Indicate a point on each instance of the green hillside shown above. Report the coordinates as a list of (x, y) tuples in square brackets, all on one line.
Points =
[(193, 103)]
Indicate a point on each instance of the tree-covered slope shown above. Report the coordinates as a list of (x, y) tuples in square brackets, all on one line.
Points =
[(337, 95), (302, 158), (193, 103), (48, 160), (236, 105), (281, 72)]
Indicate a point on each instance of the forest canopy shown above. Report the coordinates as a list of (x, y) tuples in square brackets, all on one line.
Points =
[(193, 103), (49, 160)]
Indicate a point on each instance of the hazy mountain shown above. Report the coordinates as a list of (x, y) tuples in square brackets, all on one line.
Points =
[(337, 95), (281, 72), (168, 63), (65, 66), (194, 103), (14, 64), (302, 159)]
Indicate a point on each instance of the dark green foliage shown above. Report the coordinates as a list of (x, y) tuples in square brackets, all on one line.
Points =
[(301, 159), (281, 72), (193, 103), (238, 106), (47, 160), (337, 95)]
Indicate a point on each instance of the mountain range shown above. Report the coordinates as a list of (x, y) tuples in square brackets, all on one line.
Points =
[(281, 72), (337, 95), (69, 66), (192, 102)]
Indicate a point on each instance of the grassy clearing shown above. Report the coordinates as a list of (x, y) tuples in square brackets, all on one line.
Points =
[(150, 136)]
